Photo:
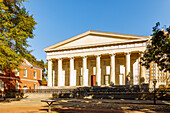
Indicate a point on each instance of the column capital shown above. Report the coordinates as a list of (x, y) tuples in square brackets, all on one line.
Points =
[(59, 58), (71, 57), (127, 53), (112, 54), (84, 56), (49, 60), (98, 55)]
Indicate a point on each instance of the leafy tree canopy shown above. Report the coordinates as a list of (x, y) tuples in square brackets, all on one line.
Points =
[(158, 48), (16, 26)]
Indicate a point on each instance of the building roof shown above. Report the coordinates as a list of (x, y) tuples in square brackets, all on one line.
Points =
[(31, 64), (108, 39)]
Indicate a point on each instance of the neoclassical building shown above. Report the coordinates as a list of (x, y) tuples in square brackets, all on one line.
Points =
[(96, 58)]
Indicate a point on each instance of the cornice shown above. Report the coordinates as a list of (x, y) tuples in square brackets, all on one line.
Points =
[(99, 33), (97, 45)]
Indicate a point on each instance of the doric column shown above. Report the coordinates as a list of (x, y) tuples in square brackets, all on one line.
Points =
[(61, 79), (85, 74), (112, 71), (72, 76), (127, 69), (50, 73), (53, 75), (98, 71), (142, 70)]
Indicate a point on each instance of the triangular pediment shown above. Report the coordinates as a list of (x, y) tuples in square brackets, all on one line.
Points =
[(93, 38)]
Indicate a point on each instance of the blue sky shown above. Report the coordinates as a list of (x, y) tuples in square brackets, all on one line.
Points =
[(62, 19)]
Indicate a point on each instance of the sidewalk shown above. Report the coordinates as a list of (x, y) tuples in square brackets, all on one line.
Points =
[(34, 105)]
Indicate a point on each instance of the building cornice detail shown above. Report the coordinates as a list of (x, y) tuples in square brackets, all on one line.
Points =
[(18, 79), (98, 45), (30, 66), (98, 33), (98, 49)]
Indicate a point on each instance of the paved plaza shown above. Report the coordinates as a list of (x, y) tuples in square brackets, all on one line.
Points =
[(34, 105)]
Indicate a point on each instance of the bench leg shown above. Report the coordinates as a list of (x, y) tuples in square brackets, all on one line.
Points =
[(49, 106)]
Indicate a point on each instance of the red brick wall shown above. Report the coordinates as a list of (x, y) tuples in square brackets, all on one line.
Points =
[(29, 81)]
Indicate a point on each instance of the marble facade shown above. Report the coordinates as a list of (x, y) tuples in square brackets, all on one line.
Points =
[(96, 58)]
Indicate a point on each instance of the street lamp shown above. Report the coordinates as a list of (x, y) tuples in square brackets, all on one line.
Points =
[(154, 84)]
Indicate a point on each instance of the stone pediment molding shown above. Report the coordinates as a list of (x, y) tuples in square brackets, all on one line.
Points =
[(95, 38)]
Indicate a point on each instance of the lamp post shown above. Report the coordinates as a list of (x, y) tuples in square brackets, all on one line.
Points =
[(154, 84)]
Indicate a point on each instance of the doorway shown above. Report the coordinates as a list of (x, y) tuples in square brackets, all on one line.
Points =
[(93, 80)]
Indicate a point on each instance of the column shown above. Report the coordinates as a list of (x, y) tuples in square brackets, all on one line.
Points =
[(112, 71), (53, 73), (50, 73), (98, 71), (61, 79), (127, 69), (53, 76), (142, 71), (72, 75), (85, 74)]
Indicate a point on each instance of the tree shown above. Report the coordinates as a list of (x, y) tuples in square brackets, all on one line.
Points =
[(158, 49), (16, 27), (44, 67)]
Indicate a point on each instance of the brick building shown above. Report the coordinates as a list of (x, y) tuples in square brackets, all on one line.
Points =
[(28, 76)]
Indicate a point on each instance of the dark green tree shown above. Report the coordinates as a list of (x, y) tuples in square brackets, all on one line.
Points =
[(16, 27), (158, 48)]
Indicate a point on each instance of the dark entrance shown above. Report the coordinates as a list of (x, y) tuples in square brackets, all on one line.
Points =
[(93, 80)]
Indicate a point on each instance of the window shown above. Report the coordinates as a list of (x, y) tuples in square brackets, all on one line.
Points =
[(16, 72), (35, 74), (17, 85), (107, 70), (25, 73)]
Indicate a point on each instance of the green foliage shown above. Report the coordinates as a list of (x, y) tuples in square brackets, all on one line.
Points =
[(44, 67), (16, 26), (158, 49)]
